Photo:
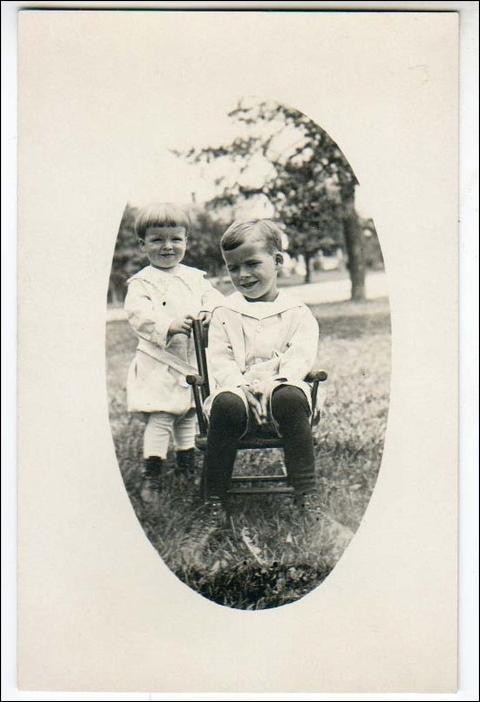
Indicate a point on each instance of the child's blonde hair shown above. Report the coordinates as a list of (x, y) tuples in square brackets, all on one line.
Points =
[(160, 214), (238, 232)]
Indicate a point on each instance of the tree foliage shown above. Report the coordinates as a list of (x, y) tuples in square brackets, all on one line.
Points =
[(284, 156), (203, 250), (127, 257)]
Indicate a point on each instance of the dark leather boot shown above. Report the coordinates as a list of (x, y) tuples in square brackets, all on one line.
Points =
[(185, 463), (152, 478)]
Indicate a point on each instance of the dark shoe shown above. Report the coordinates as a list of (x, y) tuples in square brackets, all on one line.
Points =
[(211, 520), (185, 463), (152, 478)]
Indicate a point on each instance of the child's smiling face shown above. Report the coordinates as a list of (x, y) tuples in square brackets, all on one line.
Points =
[(254, 269), (164, 246)]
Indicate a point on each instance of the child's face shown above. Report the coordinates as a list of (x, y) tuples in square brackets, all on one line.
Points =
[(164, 246), (253, 270)]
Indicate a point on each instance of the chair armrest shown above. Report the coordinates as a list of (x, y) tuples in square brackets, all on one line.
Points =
[(316, 375), (195, 380)]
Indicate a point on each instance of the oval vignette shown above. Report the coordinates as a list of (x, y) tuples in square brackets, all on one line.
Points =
[(269, 553)]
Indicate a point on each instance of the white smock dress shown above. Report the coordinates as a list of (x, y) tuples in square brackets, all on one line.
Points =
[(155, 298)]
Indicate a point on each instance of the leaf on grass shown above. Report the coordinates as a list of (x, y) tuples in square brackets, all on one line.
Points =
[(289, 539), (232, 524), (215, 568), (254, 550)]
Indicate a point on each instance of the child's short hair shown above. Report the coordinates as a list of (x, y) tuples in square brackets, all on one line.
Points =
[(238, 232), (161, 214)]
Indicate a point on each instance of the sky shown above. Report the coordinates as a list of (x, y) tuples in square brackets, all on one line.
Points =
[(169, 178)]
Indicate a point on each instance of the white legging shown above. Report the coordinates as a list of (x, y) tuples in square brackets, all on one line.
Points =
[(162, 425)]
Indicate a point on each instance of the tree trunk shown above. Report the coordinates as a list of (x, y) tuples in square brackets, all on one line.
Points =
[(354, 245), (307, 259), (114, 295)]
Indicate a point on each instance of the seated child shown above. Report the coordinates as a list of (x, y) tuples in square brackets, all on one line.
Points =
[(161, 302), (262, 344)]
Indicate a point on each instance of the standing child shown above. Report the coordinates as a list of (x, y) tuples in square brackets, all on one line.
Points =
[(161, 302), (262, 344)]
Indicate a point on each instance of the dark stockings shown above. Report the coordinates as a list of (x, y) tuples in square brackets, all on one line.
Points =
[(228, 422)]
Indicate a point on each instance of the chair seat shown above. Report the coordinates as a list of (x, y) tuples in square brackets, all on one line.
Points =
[(254, 484), (248, 442)]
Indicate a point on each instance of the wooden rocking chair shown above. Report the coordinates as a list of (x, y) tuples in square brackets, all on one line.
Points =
[(244, 484)]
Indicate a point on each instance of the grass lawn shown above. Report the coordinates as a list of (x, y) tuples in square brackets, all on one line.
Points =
[(269, 555)]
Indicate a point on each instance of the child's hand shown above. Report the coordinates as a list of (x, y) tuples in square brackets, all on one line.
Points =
[(182, 325), (205, 318), (263, 393), (254, 404), (257, 402), (262, 389)]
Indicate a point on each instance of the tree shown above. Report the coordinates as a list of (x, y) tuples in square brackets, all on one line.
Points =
[(284, 156), (372, 251), (127, 257), (203, 250)]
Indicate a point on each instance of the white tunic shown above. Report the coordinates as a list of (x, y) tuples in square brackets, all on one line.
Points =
[(276, 341), (155, 298)]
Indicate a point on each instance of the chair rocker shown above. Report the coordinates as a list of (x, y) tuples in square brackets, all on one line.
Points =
[(244, 484)]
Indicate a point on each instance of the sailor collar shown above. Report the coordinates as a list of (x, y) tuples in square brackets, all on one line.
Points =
[(155, 275), (260, 310)]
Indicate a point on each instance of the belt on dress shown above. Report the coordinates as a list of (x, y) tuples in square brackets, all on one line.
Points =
[(170, 360)]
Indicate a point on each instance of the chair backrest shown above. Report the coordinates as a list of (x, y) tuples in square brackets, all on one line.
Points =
[(200, 339)]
